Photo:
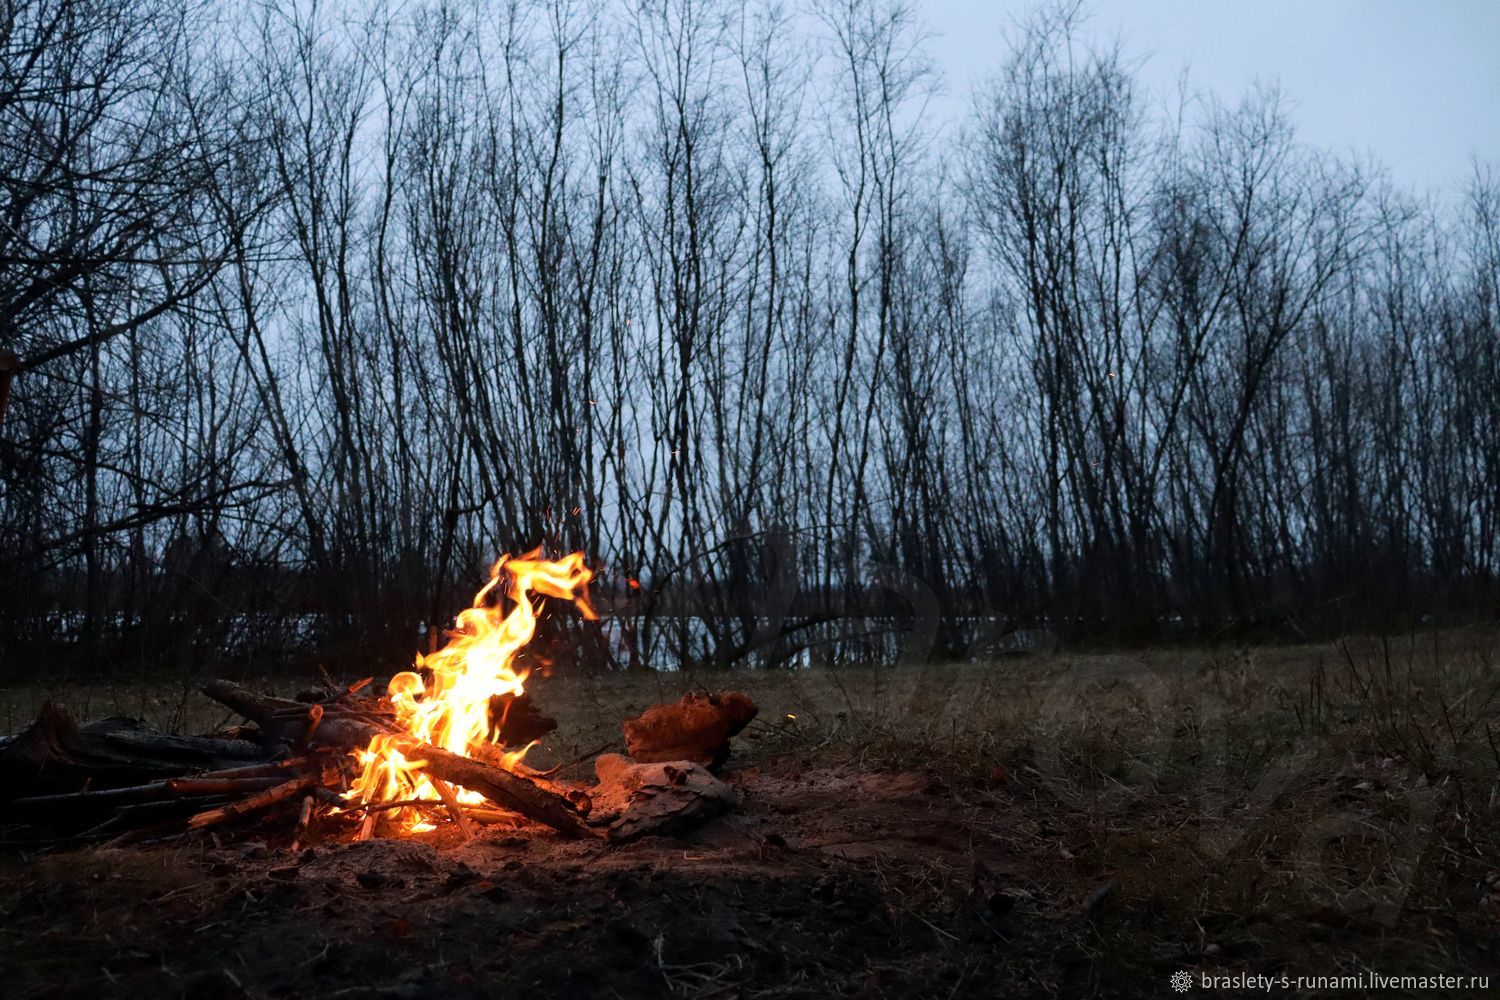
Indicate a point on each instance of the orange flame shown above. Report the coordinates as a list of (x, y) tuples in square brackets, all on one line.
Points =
[(451, 709)]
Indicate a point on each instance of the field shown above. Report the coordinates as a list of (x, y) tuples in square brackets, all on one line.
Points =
[(1066, 826)]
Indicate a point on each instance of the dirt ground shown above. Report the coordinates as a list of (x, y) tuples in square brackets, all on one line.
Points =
[(829, 882), (1071, 828)]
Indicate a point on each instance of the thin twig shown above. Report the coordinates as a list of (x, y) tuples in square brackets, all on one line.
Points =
[(303, 818), (445, 792)]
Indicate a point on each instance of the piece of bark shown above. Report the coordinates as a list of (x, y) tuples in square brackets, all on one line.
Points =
[(531, 798), (697, 728), (56, 755), (634, 800)]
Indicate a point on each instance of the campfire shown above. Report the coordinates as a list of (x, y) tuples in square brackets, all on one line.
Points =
[(446, 743), (450, 707)]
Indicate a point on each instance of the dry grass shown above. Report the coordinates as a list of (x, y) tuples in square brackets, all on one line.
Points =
[(1324, 808)]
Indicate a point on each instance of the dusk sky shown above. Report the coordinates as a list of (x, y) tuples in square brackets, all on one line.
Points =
[(1415, 84)]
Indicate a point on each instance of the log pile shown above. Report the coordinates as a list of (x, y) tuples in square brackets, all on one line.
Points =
[(351, 727), (293, 760)]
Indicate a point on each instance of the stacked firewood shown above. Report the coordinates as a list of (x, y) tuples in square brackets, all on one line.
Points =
[(292, 760)]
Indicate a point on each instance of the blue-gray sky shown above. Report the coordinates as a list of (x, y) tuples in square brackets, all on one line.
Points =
[(1413, 83)]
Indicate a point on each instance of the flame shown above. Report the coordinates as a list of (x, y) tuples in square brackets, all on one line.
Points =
[(451, 707)]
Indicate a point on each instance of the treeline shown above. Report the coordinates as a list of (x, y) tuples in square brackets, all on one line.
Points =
[(314, 314)]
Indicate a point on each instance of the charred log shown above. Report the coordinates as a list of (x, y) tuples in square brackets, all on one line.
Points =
[(55, 755)]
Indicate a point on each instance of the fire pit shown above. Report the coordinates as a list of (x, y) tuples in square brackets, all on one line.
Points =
[(445, 744)]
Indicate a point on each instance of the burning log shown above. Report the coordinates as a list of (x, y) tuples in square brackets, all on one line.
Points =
[(505, 788), (633, 800), (697, 728)]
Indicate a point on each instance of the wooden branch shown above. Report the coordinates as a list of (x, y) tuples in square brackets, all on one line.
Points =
[(284, 719), (257, 708), (376, 807), (220, 786), (162, 815), (314, 716), (37, 806), (254, 803), (272, 769), (493, 817), (450, 800), (304, 817), (228, 782)]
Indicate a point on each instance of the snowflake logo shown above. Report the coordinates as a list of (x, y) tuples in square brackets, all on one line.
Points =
[(1182, 981)]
